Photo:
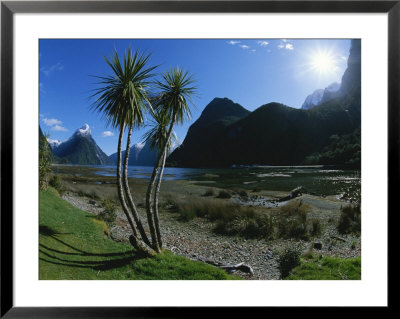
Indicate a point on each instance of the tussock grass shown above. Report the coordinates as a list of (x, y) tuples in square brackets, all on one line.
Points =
[(208, 192), (289, 221), (293, 222), (93, 191), (224, 194), (350, 220), (108, 214), (231, 219)]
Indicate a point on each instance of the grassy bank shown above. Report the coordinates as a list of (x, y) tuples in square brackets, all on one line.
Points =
[(75, 245), (327, 268)]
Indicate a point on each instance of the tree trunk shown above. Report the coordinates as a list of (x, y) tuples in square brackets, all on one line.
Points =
[(155, 204), (150, 188), (148, 208), (132, 206), (133, 238)]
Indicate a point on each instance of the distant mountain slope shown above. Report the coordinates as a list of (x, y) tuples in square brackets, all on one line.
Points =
[(82, 149), (216, 116), (321, 95), (139, 155), (274, 134)]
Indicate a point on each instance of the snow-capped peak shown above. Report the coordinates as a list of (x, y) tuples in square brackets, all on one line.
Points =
[(53, 143), (84, 130)]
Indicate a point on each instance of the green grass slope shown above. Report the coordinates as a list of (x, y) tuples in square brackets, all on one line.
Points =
[(327, 268), (74, 245)]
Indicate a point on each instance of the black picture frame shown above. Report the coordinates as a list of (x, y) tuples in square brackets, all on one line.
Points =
[(9, 8)]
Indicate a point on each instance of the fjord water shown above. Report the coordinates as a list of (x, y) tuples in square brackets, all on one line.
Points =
[(317, 180)]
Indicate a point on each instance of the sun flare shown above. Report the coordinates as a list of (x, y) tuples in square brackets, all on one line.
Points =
[(323, 63)]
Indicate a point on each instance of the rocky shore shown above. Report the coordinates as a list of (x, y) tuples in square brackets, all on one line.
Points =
[(196, 240)]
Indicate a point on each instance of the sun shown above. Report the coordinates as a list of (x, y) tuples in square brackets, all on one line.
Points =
[(323, 63)]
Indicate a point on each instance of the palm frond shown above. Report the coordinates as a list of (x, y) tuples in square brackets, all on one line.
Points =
[(122, 96), (157, 134), (177, 89)]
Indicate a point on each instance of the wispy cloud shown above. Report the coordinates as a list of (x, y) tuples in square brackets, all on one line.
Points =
[(107, 133), (41, 87), (58, 128), (47, 70), (284, 40), (51, 122), (54, 124), (244, 46), (231, 42), (263, 43), (289, 46), (286, 46)]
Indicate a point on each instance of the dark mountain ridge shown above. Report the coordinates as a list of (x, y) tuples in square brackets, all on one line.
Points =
[(273, 134), (216, 116)]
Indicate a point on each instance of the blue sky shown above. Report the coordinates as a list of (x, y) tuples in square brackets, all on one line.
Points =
[(251, 72)]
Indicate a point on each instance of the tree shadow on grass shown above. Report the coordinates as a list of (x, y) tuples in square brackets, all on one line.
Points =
[(109, 260), (48, 231), (105, 264)]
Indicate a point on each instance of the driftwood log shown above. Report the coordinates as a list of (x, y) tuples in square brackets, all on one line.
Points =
[(231, 268), (298, 191)]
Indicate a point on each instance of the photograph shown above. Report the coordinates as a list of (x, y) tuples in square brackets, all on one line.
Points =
[(199, 159)]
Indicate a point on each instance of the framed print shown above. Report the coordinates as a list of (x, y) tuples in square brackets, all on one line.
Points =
[(158, 155)]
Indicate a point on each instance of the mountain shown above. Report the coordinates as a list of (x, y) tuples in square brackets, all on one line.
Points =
[(81, 148), (140, 155), (273, 134), (351, 80), (53, 143), (321, 95), (216, 116)]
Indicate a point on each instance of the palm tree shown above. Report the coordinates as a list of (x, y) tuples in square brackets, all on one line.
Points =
[(157, 137), (123, 100), (176, 93)]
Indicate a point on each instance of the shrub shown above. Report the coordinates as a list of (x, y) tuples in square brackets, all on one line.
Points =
[(292, 221), (94, 195), (109, 212), (288, 259), (209, 192), (55, 182), (45, 160), (81, 193), (246, 223), (231, 219), (186, 215), (316, 227), (259, 227), (350, 220), (243, 194), (224, 194)]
